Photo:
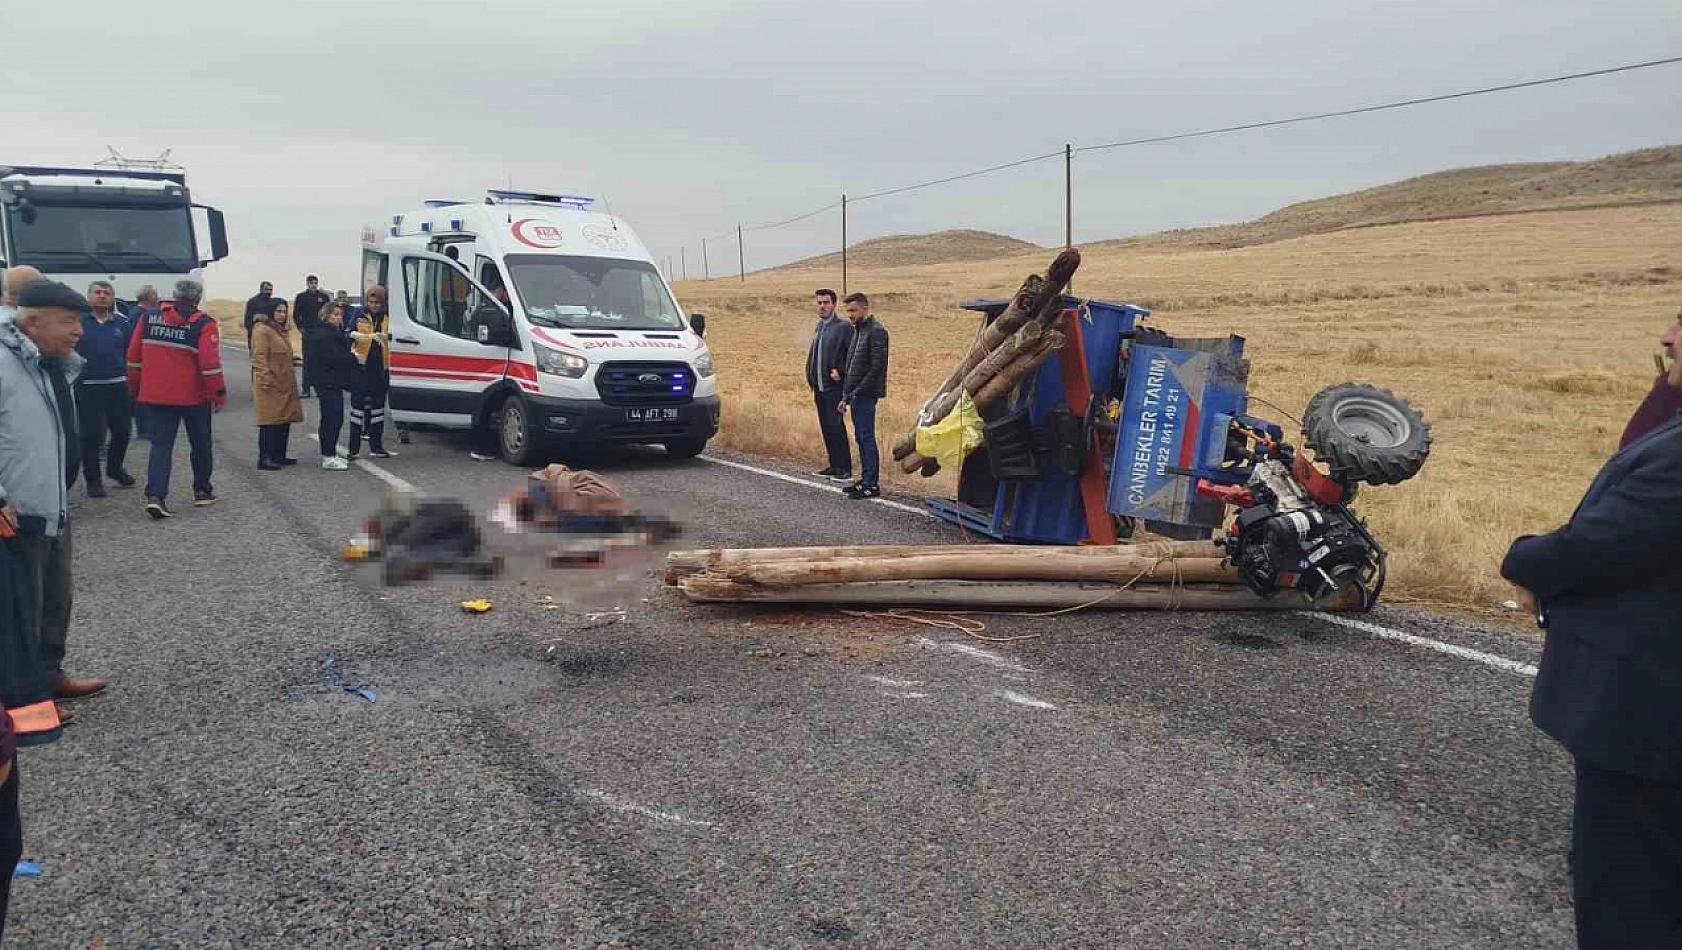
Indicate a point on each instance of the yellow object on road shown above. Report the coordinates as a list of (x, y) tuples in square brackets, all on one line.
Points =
[(953, 438), (476, 606)]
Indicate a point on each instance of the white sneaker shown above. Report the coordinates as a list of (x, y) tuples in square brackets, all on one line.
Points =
[(481, 457), (333, 463)]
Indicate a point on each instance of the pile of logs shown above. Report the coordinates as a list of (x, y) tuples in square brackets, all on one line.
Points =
[(1163, 575), (1005, 354)]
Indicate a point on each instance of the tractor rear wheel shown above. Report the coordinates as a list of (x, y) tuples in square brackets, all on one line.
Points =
[(1366, 434)]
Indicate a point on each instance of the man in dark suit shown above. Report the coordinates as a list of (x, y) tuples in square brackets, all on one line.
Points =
[(1608, 589)]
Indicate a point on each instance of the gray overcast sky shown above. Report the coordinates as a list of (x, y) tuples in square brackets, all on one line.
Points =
[(307, 120)]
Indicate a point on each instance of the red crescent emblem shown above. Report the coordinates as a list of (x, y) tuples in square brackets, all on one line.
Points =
[(535, 233)]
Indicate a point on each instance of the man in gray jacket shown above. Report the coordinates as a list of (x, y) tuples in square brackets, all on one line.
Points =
[(39, 458), (826, 363)]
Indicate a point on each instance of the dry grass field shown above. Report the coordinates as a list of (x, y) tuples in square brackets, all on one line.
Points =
[(1526, 338)]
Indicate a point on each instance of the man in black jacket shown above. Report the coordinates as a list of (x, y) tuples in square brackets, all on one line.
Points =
[(306, 313), (1608, 589), (864, 382), (826, 358), (258, 305)]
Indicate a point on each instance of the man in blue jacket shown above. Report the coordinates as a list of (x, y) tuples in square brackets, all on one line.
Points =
[(102, 400), (1608, 589)]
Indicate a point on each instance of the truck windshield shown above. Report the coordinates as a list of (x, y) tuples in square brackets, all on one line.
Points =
[(120, 240), (592, 293)]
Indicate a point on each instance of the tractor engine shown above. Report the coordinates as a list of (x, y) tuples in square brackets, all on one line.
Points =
[(1288, 540)]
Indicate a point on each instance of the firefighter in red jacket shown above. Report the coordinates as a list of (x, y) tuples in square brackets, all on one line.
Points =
[(175, 370)]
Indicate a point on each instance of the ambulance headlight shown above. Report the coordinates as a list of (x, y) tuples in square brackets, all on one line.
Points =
[(704, 364), (557, 363)]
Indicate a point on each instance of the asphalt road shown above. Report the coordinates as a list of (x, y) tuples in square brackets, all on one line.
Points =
[(545, 776)]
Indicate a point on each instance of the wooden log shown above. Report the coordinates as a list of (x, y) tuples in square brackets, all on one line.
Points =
[(1027, 305), (959, 596), (684, 563), (1022, 305), (982, 565), (1019, 370)]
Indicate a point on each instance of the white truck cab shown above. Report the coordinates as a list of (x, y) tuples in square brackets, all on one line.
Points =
[(533, 314)]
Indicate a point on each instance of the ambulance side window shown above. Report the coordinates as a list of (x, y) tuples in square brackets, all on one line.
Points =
[(420, 292)]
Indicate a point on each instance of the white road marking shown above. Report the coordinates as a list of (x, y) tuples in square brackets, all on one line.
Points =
[(1465, 653), (377, 472), (1023, 699), (897, 506), (977, 653), (632, 808), (896, 684), (893, 695)]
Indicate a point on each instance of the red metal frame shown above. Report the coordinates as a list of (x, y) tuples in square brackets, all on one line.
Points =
[(1077, 390)]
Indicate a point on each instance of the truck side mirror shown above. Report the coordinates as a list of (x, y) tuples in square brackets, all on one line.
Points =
[(698, 323)]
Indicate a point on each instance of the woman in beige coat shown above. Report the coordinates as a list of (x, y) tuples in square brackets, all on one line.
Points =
[(275, 387)]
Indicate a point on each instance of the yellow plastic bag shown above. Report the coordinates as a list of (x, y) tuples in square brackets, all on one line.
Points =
[(953, 438)]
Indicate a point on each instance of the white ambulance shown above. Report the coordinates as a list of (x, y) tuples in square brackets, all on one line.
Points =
[(537, 316)]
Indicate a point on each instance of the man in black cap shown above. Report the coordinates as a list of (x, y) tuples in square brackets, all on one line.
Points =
[(39, 458), (306, 313)]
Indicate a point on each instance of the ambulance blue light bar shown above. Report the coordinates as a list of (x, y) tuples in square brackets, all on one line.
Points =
[(575, 202)]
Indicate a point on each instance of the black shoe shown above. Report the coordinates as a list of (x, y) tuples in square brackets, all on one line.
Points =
[(826, 473), (265, 465), (96, 490), (851, 490), (122, 478), (865, 491), (285, 461), (158, 509), (841, 475), (203, 499)]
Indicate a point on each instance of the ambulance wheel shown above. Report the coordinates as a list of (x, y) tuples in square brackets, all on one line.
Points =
[(1366, 434), (685, 448), (515, 432)]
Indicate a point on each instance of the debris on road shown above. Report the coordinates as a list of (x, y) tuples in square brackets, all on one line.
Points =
[(476, 606), (26, 868)]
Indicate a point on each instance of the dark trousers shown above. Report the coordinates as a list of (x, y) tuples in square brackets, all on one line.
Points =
[(834, 428), (23, 681), (864, 431), (332, 419), (367, 414), (103, 410), (165, 422), (1626, 860), (11, 839), (272, 440), (44, 596), (304, 379)]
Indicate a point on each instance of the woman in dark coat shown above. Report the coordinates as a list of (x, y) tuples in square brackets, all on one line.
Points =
[(331, 369)]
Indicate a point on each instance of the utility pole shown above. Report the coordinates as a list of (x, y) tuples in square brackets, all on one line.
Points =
[(741, 255), (683, 255), (1068, 195), (706, 269), (843, 245)]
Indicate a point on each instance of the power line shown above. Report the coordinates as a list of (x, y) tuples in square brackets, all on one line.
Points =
[(982, 171), (1381, 107), (1202, 133)]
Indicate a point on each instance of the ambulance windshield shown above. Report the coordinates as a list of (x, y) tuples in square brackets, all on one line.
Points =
[(592, 293)]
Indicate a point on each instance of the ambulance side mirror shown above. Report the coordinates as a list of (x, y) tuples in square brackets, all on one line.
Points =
[(495, 326), (698, 323)]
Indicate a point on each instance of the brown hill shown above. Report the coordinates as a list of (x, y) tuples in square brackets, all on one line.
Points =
[(1643, 177), (910, 249)]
